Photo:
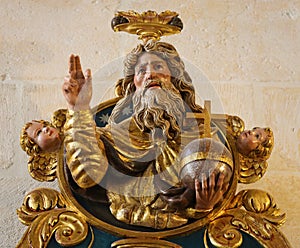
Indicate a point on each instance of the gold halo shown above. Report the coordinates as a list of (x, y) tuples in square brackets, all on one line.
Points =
[(147, 31), (147, 25)]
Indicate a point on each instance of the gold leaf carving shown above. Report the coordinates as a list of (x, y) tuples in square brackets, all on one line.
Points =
[(148, 16), (69, 228), (254, 212), (58, 118), (37, 201), (149, 24), (44, 211), (262, 203), (222, 234), (42, 167), (234, 125), (251, 170)]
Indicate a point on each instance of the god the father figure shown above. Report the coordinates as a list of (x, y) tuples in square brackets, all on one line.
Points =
[(137, 159)]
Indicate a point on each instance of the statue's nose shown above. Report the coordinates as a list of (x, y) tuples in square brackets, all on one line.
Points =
[(150, 73)]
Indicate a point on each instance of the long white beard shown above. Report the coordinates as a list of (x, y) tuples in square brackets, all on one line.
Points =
[(159, 110)]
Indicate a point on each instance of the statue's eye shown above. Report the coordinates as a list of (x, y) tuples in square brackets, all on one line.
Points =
[(158, 67), (38, 132), (141, 71)]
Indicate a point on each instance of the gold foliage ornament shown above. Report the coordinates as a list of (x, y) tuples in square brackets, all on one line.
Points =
[(251, 211), (45, 212), (41, 199)]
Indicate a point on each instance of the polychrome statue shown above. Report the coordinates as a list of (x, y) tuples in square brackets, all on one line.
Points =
[(163, 165)]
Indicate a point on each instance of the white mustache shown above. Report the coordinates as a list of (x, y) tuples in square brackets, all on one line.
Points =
[(151, 82)]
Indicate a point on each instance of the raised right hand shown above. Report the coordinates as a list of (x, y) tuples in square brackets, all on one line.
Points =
[(77, 87)]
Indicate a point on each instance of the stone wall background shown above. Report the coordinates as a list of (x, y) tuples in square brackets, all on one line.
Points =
[(246, 54)]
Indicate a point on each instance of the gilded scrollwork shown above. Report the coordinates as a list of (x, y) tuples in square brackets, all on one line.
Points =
[(260, 202), (41, 199), (251, 211), (226, 230), (45, 212), (222, 233), (69, 229)]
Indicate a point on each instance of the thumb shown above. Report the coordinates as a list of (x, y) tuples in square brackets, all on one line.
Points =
[(88, 74)]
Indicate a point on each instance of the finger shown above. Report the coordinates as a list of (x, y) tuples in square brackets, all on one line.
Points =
[(223, 183), (203, 182), (220, 180), (212, 180), (88, 74), (197, 188), (78, 68), (72, 67), (66, 84), (199, 194), (74, 82), (68, 79), (77, 63)]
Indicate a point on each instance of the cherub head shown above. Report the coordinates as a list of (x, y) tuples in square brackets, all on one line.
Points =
[(40, 136), (256, 143)]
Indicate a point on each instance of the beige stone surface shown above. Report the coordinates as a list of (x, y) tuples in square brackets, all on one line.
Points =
[(242, 55)]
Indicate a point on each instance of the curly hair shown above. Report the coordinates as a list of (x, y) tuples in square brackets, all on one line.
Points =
[(27, 144), (263, 150), (179, 77)]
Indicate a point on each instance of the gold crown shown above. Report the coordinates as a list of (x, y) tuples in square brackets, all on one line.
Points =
[(147, 25)]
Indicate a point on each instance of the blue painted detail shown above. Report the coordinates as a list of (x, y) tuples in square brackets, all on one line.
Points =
[(193, 240), (101, 240), (97, 116)]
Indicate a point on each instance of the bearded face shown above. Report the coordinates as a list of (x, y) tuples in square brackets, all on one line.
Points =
[(159, 110), (157, 105)]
